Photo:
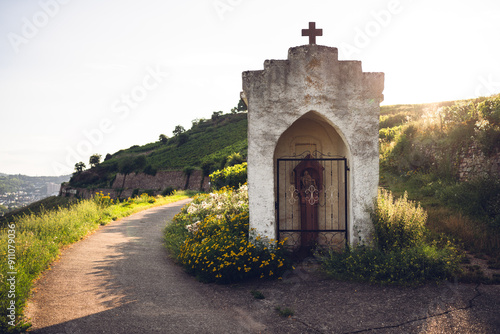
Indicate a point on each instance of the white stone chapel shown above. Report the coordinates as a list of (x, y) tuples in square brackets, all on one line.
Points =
[(313, 157)]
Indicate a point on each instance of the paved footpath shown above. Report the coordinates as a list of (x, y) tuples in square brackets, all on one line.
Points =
[(120, 280)]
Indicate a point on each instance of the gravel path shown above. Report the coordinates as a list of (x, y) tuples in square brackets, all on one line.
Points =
[(120, 280)]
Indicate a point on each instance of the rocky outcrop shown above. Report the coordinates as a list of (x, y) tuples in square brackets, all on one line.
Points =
[(125, 185)]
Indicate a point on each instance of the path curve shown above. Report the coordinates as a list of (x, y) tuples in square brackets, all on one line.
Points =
[(120, 280)]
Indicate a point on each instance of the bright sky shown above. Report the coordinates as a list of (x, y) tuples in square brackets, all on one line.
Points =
[(82, 77)]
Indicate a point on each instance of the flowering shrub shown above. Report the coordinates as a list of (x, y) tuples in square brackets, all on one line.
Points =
[(399, 223), (212, 239), (232, 176), (403, 256), (225, 201), (103, 200)]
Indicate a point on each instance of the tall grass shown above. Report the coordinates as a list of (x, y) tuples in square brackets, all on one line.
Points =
[(404, 253), (38, 239), (398, 223)]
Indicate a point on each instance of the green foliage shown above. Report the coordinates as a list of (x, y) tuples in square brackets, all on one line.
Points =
[(284, 312), (79, 167), (150, 170), (182, 138), (188, 170), (408, 266), (389, 134), (163, 139), (257, 294), (102, 200), (234, 159), (168, 191), (178, 130), (232, 176), (478, 198), (208, 144), (10, 183), (426, 164), (403, 254), (489, 110), (3, 210), (216, 115), (391, 121), (94, 160), (210, 239), (399, 223)]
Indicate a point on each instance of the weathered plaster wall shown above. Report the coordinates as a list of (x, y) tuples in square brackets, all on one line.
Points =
[(141, 181), (313, 79)]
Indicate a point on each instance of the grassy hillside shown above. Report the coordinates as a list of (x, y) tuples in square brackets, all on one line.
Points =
[(46, 204), (207, 145), (420, 149)]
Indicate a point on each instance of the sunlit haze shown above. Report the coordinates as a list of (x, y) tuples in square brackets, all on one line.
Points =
[(85, 77)]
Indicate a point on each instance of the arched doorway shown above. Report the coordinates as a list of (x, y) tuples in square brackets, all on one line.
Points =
[(311, 185)]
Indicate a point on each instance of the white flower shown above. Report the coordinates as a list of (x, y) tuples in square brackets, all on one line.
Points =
[(193, 227)]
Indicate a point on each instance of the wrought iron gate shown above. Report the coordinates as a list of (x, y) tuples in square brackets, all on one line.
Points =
[(311, 200)]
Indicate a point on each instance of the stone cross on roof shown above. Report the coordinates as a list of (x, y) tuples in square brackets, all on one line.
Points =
[(312, 32)]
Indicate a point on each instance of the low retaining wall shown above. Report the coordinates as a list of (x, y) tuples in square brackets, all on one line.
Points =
[(124, 185), (474, 163)]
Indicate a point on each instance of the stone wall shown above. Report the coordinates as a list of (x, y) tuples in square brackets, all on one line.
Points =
[(124, 185), (474, 163)]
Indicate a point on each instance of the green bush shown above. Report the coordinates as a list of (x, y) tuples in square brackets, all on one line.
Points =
[(490, 110), (150, 170), (391, 121), (219, 250), (479, 198), (409, 266), (399, 223), (168, 191), (210, 239), (402, 255), (234, 159), (232, 176)]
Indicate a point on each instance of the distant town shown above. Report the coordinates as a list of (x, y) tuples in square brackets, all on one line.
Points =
[(20, 190)]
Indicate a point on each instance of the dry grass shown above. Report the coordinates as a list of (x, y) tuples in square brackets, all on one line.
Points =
[(475, 235)]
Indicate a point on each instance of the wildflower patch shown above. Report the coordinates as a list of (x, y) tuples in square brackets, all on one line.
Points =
[(215, 244)]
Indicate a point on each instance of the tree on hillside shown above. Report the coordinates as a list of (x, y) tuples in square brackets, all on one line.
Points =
[(240, 107), (183, 138), (178, 130), (94, 160), (79, 167), (216, 114), (163, 139)]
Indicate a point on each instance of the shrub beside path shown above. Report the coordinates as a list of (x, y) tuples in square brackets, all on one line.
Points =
[(120, 280)]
